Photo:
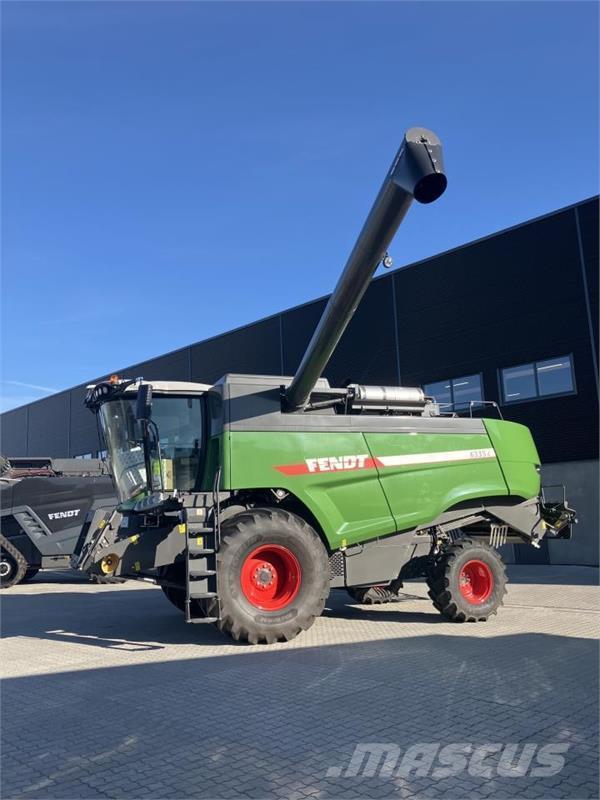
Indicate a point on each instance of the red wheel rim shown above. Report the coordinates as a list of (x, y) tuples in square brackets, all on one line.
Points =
[(271, 577), (476, 582)]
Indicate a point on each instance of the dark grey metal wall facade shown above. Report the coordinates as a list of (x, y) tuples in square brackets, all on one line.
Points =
[(525, 294)]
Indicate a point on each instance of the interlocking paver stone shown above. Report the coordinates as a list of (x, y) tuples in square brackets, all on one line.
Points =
[(108, 694)]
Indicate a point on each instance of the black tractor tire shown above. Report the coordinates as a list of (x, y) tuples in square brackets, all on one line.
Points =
[(377, 594), (273, 576), (176, 595), (468, 581), (29, 574), (13, 566)]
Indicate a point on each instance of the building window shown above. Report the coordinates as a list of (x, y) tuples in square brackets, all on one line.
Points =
[(456, 392), (548, 378), (102, 454), (84, 455)]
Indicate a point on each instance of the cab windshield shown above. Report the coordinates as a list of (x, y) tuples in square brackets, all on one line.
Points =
[(175, 466)]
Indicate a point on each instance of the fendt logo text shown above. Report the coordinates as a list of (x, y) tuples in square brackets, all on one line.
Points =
[(64, 514), (365, 461), (330, 463)]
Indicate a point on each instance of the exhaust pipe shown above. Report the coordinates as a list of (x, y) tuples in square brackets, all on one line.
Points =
[(417, 172)]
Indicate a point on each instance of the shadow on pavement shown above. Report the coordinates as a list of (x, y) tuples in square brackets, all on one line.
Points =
[(548, 574), (124, 619), (270, 723), (53, 577), (145, 620)]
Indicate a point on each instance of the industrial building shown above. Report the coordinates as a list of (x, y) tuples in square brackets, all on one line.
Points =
[(510, 318)]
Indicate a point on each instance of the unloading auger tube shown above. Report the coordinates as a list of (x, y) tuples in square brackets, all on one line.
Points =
[(417, 172)]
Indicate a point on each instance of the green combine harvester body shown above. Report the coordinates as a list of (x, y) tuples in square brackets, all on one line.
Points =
[(248, 500), (361, 484)]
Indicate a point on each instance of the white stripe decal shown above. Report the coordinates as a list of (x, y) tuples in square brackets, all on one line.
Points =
[(436, 458)]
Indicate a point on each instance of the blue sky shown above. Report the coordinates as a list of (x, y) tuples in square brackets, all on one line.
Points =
[(212, 163)]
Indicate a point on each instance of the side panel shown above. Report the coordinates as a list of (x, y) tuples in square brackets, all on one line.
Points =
[(61, 505), (329, 472), (518, 456), (424, 474)]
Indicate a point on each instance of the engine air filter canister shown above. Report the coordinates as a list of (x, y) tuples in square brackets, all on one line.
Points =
[(387, 395)]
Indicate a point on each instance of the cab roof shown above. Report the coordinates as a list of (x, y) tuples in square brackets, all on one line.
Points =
[(167, 387)]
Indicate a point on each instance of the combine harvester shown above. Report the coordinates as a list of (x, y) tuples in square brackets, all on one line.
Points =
[(247, 501)]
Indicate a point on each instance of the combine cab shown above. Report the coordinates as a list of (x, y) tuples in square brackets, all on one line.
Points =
[(248, 500)]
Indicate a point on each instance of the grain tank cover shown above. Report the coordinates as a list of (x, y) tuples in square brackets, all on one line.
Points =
[(417, 172)]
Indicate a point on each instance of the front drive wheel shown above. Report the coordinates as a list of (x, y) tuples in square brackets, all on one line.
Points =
[(176, 594), (468, 582), (177, 598), (273, 576)]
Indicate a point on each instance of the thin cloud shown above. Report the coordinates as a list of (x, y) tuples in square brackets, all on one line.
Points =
[(33, 386)]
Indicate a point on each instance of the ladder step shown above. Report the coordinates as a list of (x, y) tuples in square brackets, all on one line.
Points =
[(200, 573), (195, 548), (201, 542), (200, 595)]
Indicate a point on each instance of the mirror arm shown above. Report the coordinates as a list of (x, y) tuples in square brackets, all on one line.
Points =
[(154, 428), (147, 459)]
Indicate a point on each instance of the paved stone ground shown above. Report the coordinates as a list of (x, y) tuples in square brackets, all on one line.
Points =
[(107, 693)]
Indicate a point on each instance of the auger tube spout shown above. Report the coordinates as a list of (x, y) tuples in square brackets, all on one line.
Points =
[(417, 172)]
